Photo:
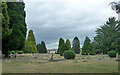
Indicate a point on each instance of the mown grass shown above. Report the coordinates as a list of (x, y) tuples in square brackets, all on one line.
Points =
[(65, 66)]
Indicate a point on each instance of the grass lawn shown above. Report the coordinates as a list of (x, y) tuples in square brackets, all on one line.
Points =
[(40, 64)]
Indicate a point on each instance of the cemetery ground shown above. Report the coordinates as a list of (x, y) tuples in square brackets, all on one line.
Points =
[(39, 63)]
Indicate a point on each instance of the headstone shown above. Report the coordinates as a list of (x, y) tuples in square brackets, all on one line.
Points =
[(88, 55), (117, 56), (102, 56), (51, 59), (80, 54)]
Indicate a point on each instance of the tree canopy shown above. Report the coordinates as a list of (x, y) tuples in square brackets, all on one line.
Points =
[(107, 37), (32, 42), (61, 41), (76, 45), (42, 47), (13, 26), (68, 43), (87, 47)]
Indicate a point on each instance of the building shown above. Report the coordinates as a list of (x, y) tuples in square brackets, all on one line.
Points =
[(52, 51)]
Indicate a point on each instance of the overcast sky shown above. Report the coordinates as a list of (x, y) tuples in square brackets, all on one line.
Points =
[(54, 19)]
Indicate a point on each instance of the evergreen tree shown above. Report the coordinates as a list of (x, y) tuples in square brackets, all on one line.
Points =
[(39, 48), (17, 25), (43, 47), (32, 42), (87, 47), (13, 26), (61, 41), (63, 48), (6, 32), (26, 48), (68, 43), (107, 37), (76, 45)]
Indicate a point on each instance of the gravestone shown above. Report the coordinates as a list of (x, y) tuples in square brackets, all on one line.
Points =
[(51, 59), (80, 54), (102, 56), (88, 56), (117, 56)]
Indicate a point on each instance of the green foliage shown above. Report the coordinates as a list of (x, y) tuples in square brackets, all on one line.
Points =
[(69, 54), (13, 26), (6, 32), (42, 47), (76, 45), (87, 47), (56, 52), (13, 52), (83, 53), (9, 52), (63, 48), (68, 43), (61, 41), (107, 37), (32, 42), (17, 24), (20, 52), (26, 48), (112, 53)]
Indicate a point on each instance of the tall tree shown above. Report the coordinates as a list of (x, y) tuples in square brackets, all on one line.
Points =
[(76, 45), (6, 32), (42, 47), (32, 42), (39, 48), (116, 7), (107, 37), (17, 24), (26, 48), (63, 48), (87, 47), (61, 41), (68, 43)]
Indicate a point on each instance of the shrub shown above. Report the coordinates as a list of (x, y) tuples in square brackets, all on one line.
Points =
[(69, 54), (63, 48), (92, 53), (84, 53), (20, 52), (13, 52), (56, 52), (112, 53), (9, 52)]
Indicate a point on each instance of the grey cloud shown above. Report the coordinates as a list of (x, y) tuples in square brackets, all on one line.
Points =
[(52, 20)]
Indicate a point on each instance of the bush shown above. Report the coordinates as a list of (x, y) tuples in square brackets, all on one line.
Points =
[(63, 48), (69, 54), (112, 53), (84, 53), (56, 52), (92, 53), (13, 52), (20, 52), (9, 52)]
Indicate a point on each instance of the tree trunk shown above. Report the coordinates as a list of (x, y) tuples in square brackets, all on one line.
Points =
[(118, 16)]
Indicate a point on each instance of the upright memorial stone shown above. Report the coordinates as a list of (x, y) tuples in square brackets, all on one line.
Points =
[(102, 56), (117, 56), (88, 55)]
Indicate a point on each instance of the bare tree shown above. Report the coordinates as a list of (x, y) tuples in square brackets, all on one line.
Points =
[(116, 7)]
